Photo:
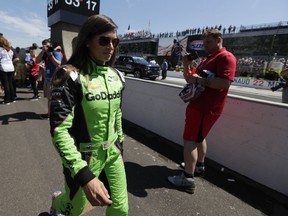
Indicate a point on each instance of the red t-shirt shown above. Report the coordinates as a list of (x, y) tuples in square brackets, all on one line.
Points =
[(223, 64), (34, 67)]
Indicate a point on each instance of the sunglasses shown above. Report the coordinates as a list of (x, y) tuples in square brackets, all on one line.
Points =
[(105, 41)]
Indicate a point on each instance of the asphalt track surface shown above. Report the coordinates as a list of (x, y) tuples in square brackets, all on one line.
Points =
[(31, 171)]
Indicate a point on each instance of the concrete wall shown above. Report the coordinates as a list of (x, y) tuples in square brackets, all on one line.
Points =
[(251, 137), (63, 34)]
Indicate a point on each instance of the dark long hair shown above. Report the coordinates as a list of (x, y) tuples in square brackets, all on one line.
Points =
[(94, 25)]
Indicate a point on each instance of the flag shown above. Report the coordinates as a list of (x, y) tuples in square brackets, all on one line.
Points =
[(129, 27)]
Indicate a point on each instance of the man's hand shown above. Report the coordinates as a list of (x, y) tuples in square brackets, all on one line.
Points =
[(96, 193), (191, 78), (186, 61)]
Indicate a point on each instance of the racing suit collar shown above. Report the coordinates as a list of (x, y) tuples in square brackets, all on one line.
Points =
[(100, 69)]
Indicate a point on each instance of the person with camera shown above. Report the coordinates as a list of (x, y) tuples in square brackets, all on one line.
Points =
[(203, 111), (86, 123), (52, 59)]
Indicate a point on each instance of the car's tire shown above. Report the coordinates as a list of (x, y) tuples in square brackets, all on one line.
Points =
[(153, 78), (137, 74)]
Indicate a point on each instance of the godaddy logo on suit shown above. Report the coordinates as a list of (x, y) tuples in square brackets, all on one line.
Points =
[(102, 96)]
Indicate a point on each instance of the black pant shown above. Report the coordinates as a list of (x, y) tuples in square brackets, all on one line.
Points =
[(14, 87), (33, 82), (7, 78), (164, 74)]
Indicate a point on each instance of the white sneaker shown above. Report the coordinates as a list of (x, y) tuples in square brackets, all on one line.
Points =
[(186, 184)]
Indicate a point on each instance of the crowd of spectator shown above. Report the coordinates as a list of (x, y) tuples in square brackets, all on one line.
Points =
[(26, 72), (257, 67), (197, 31), (137, 35), (131, 35)]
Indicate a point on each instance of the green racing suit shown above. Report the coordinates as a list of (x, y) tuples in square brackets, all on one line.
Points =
[(86, 129)]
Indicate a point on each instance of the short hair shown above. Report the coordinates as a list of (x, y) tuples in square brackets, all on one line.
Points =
[(34, 45), (215, 33), (46, 41)]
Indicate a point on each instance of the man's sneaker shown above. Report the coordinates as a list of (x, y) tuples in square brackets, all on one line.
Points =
[(35, 97), (5, 102), (52, 210), (185, 184), (199, 170)]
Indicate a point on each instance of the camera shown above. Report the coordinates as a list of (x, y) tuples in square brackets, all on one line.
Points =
[(50, 49), (193, 56)]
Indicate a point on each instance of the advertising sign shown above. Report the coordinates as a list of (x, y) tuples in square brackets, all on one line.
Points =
[(196, 45), (172, 46)]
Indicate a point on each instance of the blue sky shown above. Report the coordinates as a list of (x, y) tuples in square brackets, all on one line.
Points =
[(25, 21)]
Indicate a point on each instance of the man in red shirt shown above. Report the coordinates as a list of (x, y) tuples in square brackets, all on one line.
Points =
[(203, 112)]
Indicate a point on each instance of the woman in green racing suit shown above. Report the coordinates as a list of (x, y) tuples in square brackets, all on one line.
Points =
[(86, 125)]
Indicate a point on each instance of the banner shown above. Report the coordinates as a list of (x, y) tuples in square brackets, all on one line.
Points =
[(196, 45), (275, 66), (255, 83), (171, 46)]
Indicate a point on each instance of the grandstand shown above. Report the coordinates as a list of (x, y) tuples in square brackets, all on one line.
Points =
[(253, 45)]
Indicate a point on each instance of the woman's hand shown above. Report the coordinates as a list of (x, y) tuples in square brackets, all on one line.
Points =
[(96, 193)]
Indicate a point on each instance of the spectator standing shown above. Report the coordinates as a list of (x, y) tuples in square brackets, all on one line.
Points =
[(16, 61), (153, 61), (164, 68), (20, 70), (27, 55), (203, 112), (52, 59), (230, 29), (7, 70), (33, 71), (35, 48), (1, 77), (86, 124)]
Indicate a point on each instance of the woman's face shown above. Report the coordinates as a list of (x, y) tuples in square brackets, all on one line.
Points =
[(101, 47)]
